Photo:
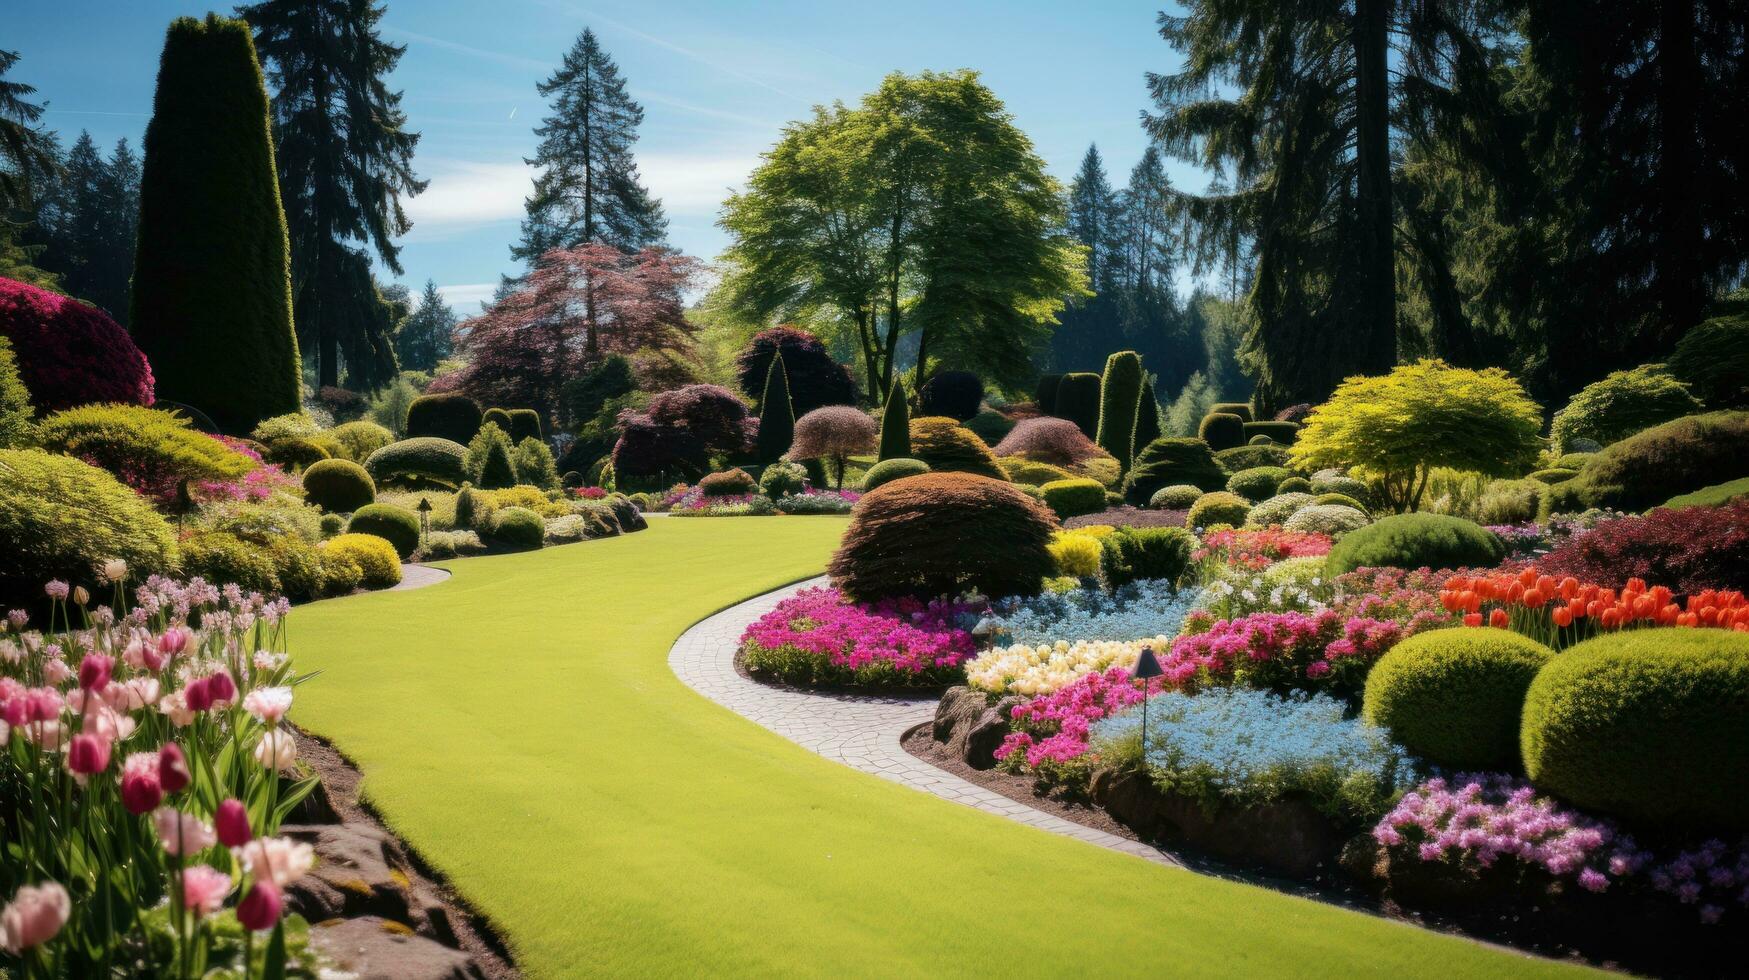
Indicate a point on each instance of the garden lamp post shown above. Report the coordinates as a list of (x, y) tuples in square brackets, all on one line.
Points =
[(1147, 668), (424, 519), (985, 629)]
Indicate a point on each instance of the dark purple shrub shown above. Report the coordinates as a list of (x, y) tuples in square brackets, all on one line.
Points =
[(70, 353), (954, 394), (1687, 548), (815, 379), (1294, 413), (680, 431)]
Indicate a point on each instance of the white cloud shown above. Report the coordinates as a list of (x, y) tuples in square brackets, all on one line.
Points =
[(470, 193), (465, 298), (691, 184)]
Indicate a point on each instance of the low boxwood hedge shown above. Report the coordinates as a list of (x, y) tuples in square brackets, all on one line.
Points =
[(396, 525)]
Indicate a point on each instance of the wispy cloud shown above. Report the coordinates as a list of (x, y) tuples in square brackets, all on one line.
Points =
[(466, 297), (502, 57), (684, 52), (694, 184), (647, 96), (464, 193)]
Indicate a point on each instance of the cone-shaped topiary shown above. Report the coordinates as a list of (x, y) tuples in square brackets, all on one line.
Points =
[(943, 534), (212, 305), (1147, 427), (896, 424), (777, 417), (1165, 462), (496, 470), (1078, 401), (1120, 391), (1222, 430)]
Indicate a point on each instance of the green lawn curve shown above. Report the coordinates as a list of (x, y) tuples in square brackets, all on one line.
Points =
[(519, 725)]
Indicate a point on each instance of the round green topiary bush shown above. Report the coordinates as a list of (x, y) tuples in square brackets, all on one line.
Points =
[(1651, 725), (1415, 541), (1131, 554), (1339, 500), (1295, 484), (1620, 405), (1219, 507), (295, 454), (888, 470), (1277, 509), (783, 478), (943, 534), (358, 439), (1258, 483), (426, 458), (1334, 520), (1251, 457), (448, 416), (519, 528), (338, 485), (374, 558), (948, 446), (1260, 441), (1454, 696), (1074, 497), (396, 525), (729, 483), (1222, 431), (1178, 496), (1167, 462)]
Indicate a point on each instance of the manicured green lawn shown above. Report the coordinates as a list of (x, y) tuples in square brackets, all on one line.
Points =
[(520, 726)]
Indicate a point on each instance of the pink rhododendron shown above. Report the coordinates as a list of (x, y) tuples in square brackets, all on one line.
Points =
[(1258, 549), (1054, 728), (1322, 650), (910, 634)]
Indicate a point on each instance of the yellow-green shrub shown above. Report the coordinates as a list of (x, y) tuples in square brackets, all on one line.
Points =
[(378, 565)]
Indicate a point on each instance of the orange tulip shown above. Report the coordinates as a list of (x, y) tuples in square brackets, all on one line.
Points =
[(1472, 619), (1498, 618), (1563, 616)]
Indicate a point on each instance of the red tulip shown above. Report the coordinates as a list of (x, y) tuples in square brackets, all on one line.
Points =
[(88, 755), (172, 768), (1498, 619), (231, 821), (1563, 616), (259, 909), (1535, 598), (95, 671), (1472, 619), (220, 688)]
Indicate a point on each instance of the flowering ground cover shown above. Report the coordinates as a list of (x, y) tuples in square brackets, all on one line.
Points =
[(519, 726)]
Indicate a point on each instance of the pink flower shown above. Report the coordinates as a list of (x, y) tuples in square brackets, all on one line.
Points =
[(173, 641), (221, 689), (141, 792), (260, 909), (88, 755), (174, 706), (172, 768), (181, 833), (56, 671), (268, 704), (34, 916), (95, 671), (204, 889), (278, 859), (1593, 880), (231, 820), (56, 589), (276, 751)]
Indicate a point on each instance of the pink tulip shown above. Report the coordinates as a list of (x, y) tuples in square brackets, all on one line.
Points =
[(174, 641), (15, 712), (88, 755), (196, 696), (95, 671), (181, 833), (268, 704), (204, 889), (260, 909), (172, 768), (221, 689), (34, 916), (56, 671), (141, 791), (231, 820), (278, 859)]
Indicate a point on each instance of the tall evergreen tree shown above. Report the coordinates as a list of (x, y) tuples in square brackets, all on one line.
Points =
[(345, 161), (428, 334), (1094, 221), (212, 291), (777, 416), (27, 158), (588, 189), (87, 218)]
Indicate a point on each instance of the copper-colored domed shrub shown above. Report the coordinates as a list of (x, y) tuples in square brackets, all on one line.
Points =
[(945, 533), (948, 446)]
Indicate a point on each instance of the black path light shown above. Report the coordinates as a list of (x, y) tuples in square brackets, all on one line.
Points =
[(1147, 668), (424, 518)]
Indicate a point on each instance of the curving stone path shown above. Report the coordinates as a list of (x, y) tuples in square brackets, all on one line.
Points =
[(418, 577), (860, 731)]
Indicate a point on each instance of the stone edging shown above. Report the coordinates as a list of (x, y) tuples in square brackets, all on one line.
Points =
[(418, 577), (860, 731)]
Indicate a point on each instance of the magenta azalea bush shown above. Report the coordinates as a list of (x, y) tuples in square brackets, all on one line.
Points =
[(1321, 651), (1051, 731), (818, 638)]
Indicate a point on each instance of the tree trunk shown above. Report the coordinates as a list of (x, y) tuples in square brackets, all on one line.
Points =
[(1375, 340), (1680, 285)]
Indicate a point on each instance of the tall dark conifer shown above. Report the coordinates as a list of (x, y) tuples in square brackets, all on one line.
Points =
[(88, 217), (428, 334), (345, 161)]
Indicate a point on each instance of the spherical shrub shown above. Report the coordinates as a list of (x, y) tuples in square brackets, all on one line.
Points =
[(1347, 485), (1335, 520), (1251, 457), (59, 516), (340, 570), (332, 524), (1260, 441), (1019, 469), (1078, 401), (1076, 555), (1058, 442), (1222, 430), (949, 447), (1074, 497), (70, 353), (888, 470), (1277, 509), (1258, 483), (297, 453), (1650, 467), (1130, 554), (783, 478), (1454, 696), (359, 439), (1651, 725), (426, 458), (1620, 405), (379, 565), (1294, 484), (729, 483), (679, 431), (338, 485), (518, 528), (1713, 358), (1339, 500), (954, 394), (471, 508), (1687, 549), (944, 533), (1281, 433), (1219, 507), (1178, 496), (1241, 409), (445, 416), (1553, 475), (1166, 462), (1415, 541), (396, 525)]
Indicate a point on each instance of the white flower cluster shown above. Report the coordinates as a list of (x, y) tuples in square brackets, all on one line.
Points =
[(1036, 670)]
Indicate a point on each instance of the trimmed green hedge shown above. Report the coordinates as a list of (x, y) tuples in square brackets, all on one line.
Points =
[(1454, 696), (425, 458), (1241, 409), (447, 416), (1133, 553), (396, 525), (338, 485), (519, 528), (1250, 457), (1259, 483), (1120, 390), (1074, 497), (1650, 467), (1651, 725), (1219, 507), (1553, 475), (1417, 540), (888, 470), (1282, 433), (1222, 431), (1165, 462)]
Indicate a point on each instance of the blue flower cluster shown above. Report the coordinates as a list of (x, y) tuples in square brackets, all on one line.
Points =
[(1247, 747), (1139, 610)]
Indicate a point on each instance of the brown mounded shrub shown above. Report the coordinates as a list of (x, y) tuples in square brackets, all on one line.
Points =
[(948, 446), (1058, 442), (945, 533)]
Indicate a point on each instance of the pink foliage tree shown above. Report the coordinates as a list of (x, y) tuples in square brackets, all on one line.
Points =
[(835, 432), (1058, 442)]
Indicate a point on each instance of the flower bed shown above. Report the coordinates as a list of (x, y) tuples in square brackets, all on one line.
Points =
[(818, 639), (1149, 607), (1258, 549), (1286, 651), (1033, 670), (1562, 612)]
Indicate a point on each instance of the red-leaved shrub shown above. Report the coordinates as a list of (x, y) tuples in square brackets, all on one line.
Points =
[(1686, 548), (815, 379), (70, 353), (681, 430), (1058, 442)]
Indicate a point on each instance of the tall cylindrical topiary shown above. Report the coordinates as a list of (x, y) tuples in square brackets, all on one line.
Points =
[(1078, 401), (777, 416), (1147, 427), (1047, 393), (896, 424), (212, 305), (1120, 391)]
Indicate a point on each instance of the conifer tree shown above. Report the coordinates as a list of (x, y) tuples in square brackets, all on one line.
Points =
[(428, 334), (777, 415), (896, 423), (212, 294)]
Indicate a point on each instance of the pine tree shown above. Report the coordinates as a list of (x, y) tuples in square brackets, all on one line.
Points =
[(26, 155), (777, 415), (588, 189), (212, 292), (428, 334), (896, 423), (1093, 220), (344, 163)]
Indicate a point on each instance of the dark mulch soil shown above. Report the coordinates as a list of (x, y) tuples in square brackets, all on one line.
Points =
[(1127, 516)]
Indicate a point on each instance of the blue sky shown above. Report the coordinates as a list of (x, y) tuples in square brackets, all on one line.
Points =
[(717, 81)]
